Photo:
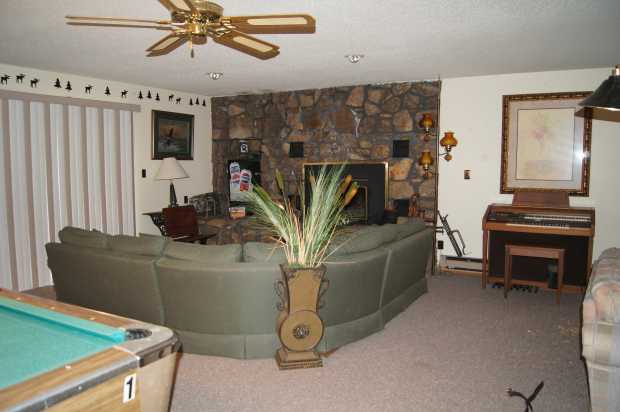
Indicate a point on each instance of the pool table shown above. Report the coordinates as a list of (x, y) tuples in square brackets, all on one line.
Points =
[(60, 357)]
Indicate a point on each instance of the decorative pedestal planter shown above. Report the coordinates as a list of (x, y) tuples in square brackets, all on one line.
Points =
[(299, 327)]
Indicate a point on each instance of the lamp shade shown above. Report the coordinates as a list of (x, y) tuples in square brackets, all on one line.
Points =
[(448, 140), (426, 159), (169, 169), (427, 122), (607, 96)]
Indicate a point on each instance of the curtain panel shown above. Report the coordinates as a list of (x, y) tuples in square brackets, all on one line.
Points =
[(63, 162)]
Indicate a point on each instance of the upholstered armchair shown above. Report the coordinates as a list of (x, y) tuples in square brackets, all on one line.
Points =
[(210, 204), (601, 332)]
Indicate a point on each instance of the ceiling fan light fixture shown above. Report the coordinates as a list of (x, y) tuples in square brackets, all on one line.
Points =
[(354, 58), (215, 75)]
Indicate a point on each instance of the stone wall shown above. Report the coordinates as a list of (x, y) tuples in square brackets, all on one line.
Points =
[(354, 123)]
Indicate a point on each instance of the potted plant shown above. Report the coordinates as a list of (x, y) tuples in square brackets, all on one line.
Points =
[(305, 235)]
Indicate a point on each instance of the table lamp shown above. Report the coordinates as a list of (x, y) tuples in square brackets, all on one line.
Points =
[(171, 169)]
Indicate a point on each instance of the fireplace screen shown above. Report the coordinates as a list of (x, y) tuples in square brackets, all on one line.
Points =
[(369, 204), (357, 210)]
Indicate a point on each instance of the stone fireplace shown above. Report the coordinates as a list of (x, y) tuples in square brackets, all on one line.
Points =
[(357, 124)]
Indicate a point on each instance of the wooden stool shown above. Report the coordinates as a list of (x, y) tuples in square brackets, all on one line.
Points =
[(533, 251)]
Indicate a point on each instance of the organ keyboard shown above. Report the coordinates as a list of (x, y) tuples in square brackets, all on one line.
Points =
[(540, 219), (570, 228)]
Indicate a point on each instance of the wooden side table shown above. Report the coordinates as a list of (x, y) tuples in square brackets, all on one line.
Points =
[(533, 251), (158, 220)]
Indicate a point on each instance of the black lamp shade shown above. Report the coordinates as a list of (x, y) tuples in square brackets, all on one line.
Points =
[(607, 96)]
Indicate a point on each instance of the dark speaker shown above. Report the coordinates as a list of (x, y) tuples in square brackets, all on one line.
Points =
[(296, 149), (400, 148), (402, 206)]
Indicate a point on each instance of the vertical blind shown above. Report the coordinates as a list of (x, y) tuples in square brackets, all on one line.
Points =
[(63, 162)]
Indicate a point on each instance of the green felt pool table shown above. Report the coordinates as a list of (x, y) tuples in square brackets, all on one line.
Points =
[(60, 357)]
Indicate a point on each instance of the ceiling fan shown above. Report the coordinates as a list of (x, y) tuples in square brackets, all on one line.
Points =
[(193, 21)]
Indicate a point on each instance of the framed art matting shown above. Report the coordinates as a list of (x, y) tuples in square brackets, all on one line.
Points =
[(173, 135), (546, 143)]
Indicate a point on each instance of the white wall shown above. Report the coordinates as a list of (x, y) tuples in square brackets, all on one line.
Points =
[(472, 108), (150, 195)]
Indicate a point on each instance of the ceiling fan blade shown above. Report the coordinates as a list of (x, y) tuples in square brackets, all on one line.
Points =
[(120, 24), (169, 5), (247, 44), (117, 19), (167, 44), (275, 23), (189, 5), (180, 6)]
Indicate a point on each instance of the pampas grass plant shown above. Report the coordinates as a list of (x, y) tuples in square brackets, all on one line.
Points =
[(305, 234)]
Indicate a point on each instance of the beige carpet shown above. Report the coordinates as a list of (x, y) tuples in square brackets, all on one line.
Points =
[(456, 348)]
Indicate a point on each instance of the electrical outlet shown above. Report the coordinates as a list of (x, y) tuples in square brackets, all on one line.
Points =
[(440, 244)]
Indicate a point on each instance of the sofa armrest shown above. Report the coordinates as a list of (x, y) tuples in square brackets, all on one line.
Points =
[(601, 312), (604, 291)]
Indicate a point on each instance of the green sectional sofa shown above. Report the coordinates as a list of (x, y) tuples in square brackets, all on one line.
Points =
[(221, 299)]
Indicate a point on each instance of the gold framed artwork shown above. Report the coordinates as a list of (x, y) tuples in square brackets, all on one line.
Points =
[(546, 143)]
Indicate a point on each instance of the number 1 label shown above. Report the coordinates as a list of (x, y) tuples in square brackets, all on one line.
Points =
[(129, 388)]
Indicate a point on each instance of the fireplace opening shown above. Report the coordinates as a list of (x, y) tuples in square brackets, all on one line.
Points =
[(357, 210), (370, 202)]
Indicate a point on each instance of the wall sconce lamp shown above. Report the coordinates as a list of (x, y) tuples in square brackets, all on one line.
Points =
[(448, 142), (607, 96), (426, 161), (427, 123)]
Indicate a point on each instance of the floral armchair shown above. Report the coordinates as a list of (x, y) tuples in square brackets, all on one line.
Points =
[(601, 332), (210, 204)]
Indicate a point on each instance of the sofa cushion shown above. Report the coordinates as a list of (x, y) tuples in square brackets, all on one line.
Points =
[(263, 252), (204, 253), (143, 245), (82, 237), (410, 227), (106, 280), (366, 238)]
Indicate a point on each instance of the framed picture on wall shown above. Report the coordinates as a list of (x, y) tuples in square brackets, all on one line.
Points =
[(546, 143), (173, 135)]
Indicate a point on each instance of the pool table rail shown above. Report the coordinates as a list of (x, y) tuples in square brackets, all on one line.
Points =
[(53, 387), (96, 382), (67, 309)]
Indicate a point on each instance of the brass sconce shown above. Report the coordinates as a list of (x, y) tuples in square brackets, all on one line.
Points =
[(448, 142), (427, 123), (426, 161)]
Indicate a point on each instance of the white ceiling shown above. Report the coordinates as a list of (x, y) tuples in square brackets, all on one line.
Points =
[(401, 39)]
